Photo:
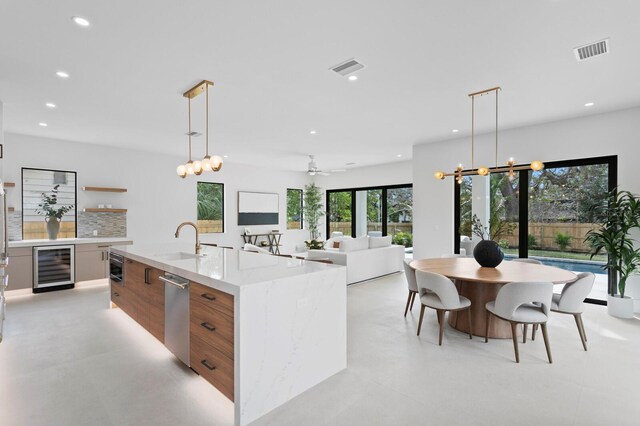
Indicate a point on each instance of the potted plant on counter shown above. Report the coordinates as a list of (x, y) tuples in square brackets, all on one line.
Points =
[(313, 212), (52, 211), (618, 216)]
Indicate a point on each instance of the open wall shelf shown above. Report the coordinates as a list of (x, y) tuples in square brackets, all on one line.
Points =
[(9, 185), (103, 189)]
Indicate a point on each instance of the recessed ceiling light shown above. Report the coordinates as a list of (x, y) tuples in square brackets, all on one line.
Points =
[(589, 104), (353, 77), (43, 124), (225, 156), (62, 74), (81, 21), (312, 132), (50, 105), (455, 130), (399, 155)]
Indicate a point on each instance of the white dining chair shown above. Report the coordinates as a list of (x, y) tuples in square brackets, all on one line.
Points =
[(410, 274), (438, 292), (522, 303), (527, 260), (571, 301)]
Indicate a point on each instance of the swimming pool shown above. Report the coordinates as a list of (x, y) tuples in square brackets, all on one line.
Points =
[(570, 264)]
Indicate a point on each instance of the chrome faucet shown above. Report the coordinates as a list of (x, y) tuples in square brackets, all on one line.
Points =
[(197, 234)]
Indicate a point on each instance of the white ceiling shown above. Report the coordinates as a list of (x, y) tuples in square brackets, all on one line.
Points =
[(270, 59)]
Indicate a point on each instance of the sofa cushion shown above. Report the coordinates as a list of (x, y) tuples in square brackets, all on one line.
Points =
[(354, 244), (376, 242)]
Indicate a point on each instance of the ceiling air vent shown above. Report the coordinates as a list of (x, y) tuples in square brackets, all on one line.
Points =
[(592, 49), (347, 67)]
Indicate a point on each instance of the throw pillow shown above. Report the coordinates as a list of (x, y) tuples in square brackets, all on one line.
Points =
[(354, 244), (376, 242)]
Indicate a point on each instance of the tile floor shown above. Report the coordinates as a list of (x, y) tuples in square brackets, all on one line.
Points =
[(67, 360)]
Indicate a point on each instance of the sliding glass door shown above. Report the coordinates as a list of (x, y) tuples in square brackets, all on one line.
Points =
[(375, 212), (544, 214), (400, 215), (339, 212), (560, 215)]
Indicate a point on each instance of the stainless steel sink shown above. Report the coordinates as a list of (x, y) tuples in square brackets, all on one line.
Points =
[(177, 256)]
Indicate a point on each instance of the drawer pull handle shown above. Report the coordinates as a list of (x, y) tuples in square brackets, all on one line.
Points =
[(208, 296), (146, 275), (116, 294), (208, 326), (206, 364)]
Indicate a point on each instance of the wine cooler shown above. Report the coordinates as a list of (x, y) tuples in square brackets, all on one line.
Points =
[(53, 268)]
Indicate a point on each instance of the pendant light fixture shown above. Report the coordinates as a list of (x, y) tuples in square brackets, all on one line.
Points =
[(511, 168), (208, 163)]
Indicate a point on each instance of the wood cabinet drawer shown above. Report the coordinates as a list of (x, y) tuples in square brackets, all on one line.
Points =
[(134, 275), (213, 366), (212, 326), (121, 297), (212, 298)]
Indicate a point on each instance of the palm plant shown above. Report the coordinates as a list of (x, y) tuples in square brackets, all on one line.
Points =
[(312, 210), (618, 216)]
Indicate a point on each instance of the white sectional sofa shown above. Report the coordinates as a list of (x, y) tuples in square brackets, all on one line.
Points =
[(364, 257)]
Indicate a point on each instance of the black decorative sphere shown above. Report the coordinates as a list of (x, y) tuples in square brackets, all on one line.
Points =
[(488, 253)]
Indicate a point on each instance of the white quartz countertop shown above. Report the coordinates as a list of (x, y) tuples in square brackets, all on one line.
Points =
[(224, 269), (75, 241)]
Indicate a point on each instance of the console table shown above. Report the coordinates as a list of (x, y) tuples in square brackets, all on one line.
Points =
[(273, 240)]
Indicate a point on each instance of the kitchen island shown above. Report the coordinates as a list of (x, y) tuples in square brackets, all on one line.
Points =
[(261, 328)]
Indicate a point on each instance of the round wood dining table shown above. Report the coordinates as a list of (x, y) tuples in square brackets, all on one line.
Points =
[(481, 285)]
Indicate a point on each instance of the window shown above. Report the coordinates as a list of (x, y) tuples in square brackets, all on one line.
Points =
[(339, 212), (210, 207), (376, 211), (543, 214), (45, 194), (294, 208)]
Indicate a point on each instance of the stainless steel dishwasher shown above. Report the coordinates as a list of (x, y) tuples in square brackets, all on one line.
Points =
[(176, 315)]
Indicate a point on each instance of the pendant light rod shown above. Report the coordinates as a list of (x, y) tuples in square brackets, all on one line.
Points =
[(473, 129), (497, 126), (189, 129), (535, 165), (207, 121)]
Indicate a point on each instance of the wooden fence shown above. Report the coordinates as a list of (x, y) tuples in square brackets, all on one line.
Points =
[(37, 230), (207, 226), (545, 235)]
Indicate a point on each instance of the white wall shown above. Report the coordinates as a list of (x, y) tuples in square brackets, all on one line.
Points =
[(616, 133), (157, 199), (385, 174)]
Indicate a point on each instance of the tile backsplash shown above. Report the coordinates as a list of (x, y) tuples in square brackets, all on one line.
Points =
[(107, 225)]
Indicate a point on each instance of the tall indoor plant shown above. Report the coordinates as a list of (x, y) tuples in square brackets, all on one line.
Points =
[(313, 212), (618, 216), (52, 211)]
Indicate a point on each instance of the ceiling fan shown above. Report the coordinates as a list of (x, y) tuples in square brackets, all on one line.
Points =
[(312, 168)]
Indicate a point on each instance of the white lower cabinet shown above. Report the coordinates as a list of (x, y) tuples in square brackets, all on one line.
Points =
[(92, 261)]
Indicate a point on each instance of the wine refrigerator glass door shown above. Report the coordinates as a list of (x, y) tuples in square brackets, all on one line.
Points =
[(53, 266)]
